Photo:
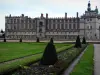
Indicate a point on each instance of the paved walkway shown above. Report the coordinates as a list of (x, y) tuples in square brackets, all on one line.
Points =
[(96, 59)]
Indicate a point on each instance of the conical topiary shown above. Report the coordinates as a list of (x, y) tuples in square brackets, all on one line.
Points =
[(78, 43), (20, 40), (37, 40), (84, 40), (51, 40), (4, 40), (49, 56)]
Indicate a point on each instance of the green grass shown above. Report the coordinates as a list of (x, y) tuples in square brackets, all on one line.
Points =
[(85, 65), (7, 67), (24, 61), (10, 51)]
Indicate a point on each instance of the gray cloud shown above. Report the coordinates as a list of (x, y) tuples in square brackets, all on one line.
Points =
[(34, 8)]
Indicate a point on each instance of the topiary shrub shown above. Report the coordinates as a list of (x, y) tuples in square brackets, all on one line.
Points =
[(20, 40), (78, 43), (4, 40), (51, 40), (84, 40), (49, 56), (3, 35), (37, 40)]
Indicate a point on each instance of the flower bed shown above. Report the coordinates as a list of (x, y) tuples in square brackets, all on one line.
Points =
[(65, 58), (9, 67)]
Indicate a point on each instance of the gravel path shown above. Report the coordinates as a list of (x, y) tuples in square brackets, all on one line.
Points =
[(96, 59)]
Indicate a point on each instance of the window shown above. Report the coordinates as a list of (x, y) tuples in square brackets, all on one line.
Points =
[(53, 26), (87, 19), (90, 19), (62, 26), (33, 21), (70, 20), (73, 20), (40, 23), (14, 20), (91, 27), (69, 26), (17, 20), (74, 27), (87, 27), (58, 26), (11, 20), (53, 20), (65, 26), (65, 20), (22, 21), (49, 21), (58, 20)]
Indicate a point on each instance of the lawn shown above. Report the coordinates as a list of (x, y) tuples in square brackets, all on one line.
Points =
[(15, 50), (85, 65), (10, 51)]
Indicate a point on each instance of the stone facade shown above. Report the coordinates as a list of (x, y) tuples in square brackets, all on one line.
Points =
[(64, 28)]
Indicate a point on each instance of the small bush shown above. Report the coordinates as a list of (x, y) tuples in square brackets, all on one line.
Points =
[(37, 40), (49, 56), (84, 40), (20, 40), (78, 43), (4, 40), (3, 35)]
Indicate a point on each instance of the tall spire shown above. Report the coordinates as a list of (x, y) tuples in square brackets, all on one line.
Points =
[(89, 6), (96, 9)]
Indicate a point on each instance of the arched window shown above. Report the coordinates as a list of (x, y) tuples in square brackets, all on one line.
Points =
[(90, 27)]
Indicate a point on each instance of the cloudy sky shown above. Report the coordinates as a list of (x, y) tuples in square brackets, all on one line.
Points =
[(33, 8)]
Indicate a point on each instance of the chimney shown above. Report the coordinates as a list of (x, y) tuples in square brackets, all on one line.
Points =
[(65, 15), (10, 15), (41, 15), (22, 15), (46, 15), (77, 15)]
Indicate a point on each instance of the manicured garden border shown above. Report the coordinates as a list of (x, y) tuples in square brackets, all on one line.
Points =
[(85, 65), (66, 64), (6, 68)]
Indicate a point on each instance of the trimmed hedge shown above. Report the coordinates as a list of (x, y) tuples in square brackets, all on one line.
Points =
[(68, 57)]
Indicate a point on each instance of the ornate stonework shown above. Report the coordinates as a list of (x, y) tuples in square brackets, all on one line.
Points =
[(64, 28)]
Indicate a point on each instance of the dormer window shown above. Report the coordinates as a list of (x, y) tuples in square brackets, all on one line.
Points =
[(87, 19)]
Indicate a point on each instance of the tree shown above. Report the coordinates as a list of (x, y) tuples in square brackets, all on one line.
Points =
[(4, 40), (20, 40), (37, 40), (78, 43), (84, 40), (49, 56), (51, 40)]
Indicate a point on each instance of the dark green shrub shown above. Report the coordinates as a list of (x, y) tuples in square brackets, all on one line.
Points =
[(78, 43), (37, 40), (2, 31), (3, 35), (51, 40), (4, 40), (20, 40), (84, 40), (49, 56)]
